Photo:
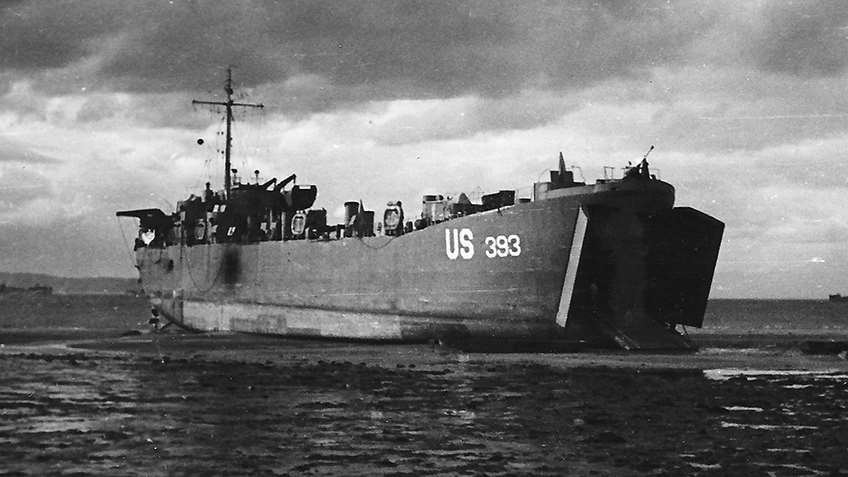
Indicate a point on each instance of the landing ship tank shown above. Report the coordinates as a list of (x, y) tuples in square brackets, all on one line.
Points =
[(612, 263)]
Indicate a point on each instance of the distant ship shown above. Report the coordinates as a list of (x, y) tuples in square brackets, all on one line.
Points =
[(33, 290), (837, 298), (612, 263)]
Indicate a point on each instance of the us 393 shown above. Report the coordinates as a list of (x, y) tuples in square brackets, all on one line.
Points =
[(460, 243)]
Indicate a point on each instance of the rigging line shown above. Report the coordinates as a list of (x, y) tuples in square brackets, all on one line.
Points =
[(126, 242), (191, 276), (378, 247), (256, 281)]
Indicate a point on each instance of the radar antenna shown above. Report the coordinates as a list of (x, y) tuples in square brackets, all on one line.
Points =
[(228, 104)]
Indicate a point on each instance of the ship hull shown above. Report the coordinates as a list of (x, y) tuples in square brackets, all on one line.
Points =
[(555, 269)]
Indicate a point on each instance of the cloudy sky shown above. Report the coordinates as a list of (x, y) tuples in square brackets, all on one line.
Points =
[(745, 102)]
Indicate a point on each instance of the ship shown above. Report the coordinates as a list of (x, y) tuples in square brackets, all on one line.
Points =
[(606, 264), (837, 298)]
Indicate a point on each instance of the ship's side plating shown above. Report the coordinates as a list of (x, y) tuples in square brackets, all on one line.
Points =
[(495, 274)]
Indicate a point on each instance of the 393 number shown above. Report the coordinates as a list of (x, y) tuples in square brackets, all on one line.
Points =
[(503, 246)]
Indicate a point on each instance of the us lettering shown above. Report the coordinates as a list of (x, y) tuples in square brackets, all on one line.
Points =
[(459, 243)]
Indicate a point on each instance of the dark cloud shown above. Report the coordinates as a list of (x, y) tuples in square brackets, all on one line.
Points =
[(312, 56), (37, 35), (394, 49), (409, 49), (804, 38)]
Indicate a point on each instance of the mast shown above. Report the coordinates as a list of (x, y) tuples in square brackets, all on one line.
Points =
[(228, 104)]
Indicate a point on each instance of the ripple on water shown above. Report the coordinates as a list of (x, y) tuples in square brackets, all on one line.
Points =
[(723, 374), (211, 417), (767, 427), (742, 408)]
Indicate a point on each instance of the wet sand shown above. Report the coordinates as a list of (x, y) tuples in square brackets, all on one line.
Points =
[(185, 404)]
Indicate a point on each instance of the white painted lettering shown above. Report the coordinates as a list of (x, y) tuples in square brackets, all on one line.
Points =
[(465, 241), (460, 243), (452, 246), (491, 252), (502, 245), (515, 245)]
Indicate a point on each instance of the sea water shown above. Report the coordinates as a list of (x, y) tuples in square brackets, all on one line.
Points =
[(179, 404), (776, 316)]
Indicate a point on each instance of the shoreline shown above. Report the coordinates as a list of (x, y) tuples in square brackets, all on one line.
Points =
[(758, 352)]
